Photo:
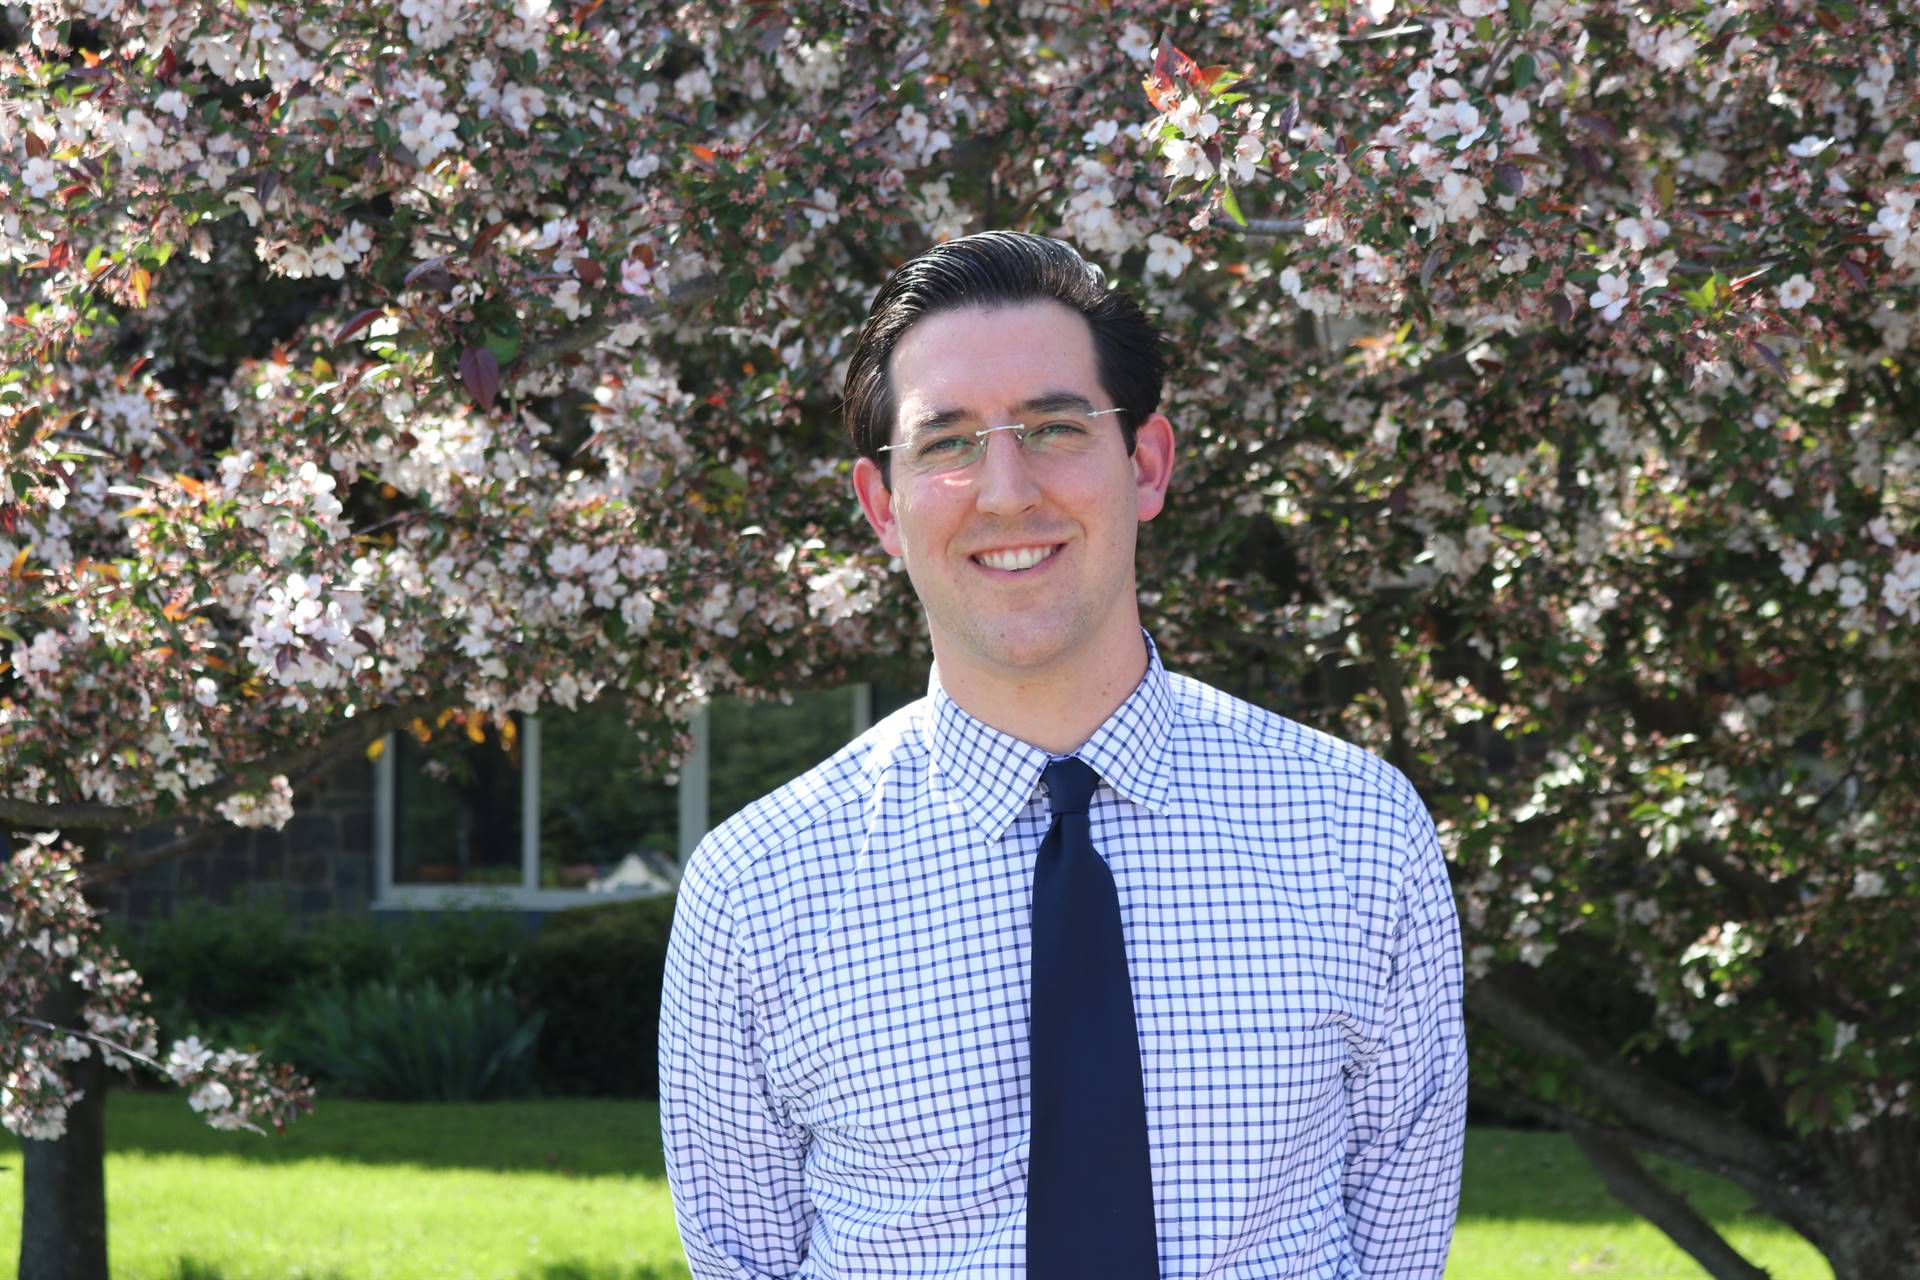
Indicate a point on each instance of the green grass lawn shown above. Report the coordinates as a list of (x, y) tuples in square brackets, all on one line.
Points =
[(574, 1191)]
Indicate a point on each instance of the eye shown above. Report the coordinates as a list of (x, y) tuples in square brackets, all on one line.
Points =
[(944, 445), (1057, 432)]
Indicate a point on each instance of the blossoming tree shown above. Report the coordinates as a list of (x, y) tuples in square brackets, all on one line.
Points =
[(1546, 386)]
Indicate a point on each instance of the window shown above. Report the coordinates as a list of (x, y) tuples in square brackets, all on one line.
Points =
[(556, 816)]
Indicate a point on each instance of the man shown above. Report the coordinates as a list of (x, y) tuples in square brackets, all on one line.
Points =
[(1073, 968)]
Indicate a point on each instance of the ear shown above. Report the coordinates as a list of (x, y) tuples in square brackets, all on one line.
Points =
[(876, 501), (1152, 464)]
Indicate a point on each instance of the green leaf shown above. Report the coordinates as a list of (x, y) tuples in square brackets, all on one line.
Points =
[(1230, 204), (505, 346), (1524, 70)]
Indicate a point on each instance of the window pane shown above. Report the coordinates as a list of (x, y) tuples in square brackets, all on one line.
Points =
[(597, 806), (756, 746), (462, 827)]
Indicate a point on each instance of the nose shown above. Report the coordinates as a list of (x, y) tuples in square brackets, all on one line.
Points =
[(1005, 484)]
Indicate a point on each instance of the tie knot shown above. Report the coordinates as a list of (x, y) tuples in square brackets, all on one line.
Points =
[(1070, 785)]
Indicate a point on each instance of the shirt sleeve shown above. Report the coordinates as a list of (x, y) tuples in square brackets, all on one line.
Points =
[(1407, 1114), (734, 1165)]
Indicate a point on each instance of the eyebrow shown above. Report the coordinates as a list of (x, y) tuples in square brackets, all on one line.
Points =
[(1051, 402)]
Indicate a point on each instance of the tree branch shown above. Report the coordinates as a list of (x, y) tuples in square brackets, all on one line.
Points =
[(1508, 1103), (1712, 1139), (132, 1055), (110, 869), (1386, 674), (1764, 896), (1270, 228), (27, 815), (589, 333), (1391, 33), (1635, 1186), (1499, 56), (1457, 362)]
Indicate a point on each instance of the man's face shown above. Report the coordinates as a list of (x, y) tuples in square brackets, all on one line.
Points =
[(1022, 563)]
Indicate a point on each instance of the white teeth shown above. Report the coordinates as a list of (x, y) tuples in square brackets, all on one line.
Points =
[(1022, 559)]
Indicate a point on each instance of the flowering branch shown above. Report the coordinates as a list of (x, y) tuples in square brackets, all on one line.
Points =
[(28, 815), (131, 1055)]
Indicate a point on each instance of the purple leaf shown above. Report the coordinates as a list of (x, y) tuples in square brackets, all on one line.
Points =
[(480, 372), (428, 274), (356, 324), (1600, 126)]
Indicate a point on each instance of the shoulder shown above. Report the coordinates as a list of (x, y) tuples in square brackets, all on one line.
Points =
[(808, 819), (1209, 719)]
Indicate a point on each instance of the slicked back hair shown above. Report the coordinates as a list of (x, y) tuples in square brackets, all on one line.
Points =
[(995, 269)]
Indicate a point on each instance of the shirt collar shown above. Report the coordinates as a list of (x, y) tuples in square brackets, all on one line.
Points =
[(998, 774)]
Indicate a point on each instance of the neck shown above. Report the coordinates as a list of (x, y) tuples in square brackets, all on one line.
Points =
[(1055, 708)]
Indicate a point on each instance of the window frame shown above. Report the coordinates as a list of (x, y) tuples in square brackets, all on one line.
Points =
[(692, 791)]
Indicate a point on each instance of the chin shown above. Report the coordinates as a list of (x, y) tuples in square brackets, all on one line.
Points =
[(1023, 648)]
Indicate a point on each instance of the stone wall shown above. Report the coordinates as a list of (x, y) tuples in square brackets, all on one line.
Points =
[(321, 863)]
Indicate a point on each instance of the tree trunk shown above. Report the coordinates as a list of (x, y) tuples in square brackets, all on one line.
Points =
[(63, 1228), (1871, 1242)]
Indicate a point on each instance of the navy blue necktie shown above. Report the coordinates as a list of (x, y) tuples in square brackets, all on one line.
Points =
[(1089, 1178)]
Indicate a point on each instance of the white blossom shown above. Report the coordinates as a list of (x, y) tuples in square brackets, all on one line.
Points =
[(1187, 160), (1460, 197), (211, 1096), (1869, 884), (1167, 256), (1609, 296), (636, 278), (822, 208)]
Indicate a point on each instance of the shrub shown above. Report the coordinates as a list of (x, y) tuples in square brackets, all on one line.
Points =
[(209, 965), (427, 1043), (236, 972), (481, 947), (595, 973)]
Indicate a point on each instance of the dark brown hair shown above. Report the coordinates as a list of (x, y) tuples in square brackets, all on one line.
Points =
[(998, 268)]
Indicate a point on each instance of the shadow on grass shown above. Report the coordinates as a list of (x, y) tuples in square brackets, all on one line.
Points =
[(188, 1267), (573, 1269), (1513, 1174), (570, 1138)]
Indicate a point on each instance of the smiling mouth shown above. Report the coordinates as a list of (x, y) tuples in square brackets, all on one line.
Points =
[(1017, 558)]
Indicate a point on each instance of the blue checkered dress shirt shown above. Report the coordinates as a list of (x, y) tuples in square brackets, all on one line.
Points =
[(843, 1037)]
